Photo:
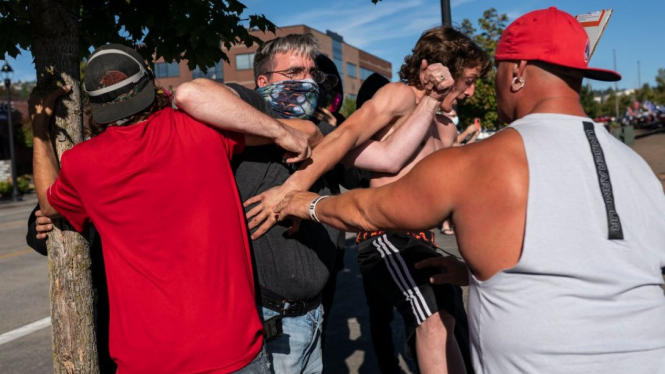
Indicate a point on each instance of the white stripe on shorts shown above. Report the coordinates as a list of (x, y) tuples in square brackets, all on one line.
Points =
[(402, 278), (392, 267), (410, 279)]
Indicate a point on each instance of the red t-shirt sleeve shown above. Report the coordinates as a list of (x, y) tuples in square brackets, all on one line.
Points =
[(64, 198)]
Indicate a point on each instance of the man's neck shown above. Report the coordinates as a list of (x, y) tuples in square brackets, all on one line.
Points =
[(556, 105)]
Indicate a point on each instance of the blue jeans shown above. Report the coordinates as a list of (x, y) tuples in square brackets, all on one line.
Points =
[(259, 364), (298, 349)]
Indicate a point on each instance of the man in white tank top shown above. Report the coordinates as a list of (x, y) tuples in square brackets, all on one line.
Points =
[(561, 226)]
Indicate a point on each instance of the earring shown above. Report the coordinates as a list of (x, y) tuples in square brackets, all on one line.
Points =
[(514, 85)]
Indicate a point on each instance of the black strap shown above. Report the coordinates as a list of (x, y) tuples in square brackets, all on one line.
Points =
[(613, 221), (296, 308)]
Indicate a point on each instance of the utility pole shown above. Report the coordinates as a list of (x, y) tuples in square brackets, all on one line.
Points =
[(445, 13), (639, 81)]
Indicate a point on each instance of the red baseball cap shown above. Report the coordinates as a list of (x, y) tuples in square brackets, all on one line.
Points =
[(552, 36)]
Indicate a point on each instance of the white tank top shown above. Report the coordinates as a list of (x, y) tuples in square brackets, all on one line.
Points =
[(585, 296)]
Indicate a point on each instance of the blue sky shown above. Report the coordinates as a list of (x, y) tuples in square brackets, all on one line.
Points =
[(391, 28)]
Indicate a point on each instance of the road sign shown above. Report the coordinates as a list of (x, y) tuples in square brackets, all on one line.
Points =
[(594, 23)]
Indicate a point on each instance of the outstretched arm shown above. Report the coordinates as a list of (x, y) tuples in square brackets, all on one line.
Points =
[(221, 107), (45, 164), (391, 207)]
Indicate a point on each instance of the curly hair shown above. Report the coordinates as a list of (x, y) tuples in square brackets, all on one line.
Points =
[(162, 100), (448, 46)]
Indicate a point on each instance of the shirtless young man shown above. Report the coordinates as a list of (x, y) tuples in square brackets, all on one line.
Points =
[(427, 310), (566, 256)]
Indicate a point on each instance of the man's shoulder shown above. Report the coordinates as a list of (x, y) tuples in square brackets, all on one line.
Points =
[(396, 96), (400, 88), (85, 147)]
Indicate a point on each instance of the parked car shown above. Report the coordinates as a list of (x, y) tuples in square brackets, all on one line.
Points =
[(603, 119), (660, 116)]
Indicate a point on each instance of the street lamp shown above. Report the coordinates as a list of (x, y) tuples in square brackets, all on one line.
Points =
[(7, 74)]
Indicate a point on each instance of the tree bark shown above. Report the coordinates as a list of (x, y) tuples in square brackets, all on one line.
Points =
[(55, 47)]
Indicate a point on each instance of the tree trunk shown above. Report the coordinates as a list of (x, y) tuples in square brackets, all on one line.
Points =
[(55, 47)]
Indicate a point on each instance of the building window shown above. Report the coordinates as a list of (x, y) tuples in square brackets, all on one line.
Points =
[(351, 70), (215, 73), (245, 61), (337, 54), (167, 70)]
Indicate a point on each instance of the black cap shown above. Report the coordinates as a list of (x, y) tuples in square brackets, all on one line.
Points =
[(118, 83)]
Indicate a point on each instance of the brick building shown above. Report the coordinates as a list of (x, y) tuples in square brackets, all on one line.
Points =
[(354, 65)]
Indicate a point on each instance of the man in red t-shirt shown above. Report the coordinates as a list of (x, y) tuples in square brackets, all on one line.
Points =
[(159, 189)]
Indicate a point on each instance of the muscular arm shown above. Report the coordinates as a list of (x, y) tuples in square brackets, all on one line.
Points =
[(418, 201), (221, 107), (477, 185)]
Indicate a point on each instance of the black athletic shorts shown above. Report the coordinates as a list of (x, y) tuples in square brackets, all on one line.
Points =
[(387, 262)]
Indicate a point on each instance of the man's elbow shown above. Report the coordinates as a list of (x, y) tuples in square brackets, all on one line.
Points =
[(314, 137), (390, 165), (45, 206), (186, 93), (393, 166), (181, 95)]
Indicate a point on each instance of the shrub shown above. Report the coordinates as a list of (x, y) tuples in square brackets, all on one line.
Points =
[(23, 185)]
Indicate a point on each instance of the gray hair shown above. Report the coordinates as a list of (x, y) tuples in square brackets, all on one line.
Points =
[(300, 44)]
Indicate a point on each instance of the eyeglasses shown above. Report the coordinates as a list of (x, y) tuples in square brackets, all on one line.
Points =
[(301, 73)]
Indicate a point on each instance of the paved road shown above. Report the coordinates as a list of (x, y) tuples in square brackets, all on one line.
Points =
[(23, 294)]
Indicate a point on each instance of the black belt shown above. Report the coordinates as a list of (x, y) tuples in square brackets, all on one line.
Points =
[(295, 308)]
